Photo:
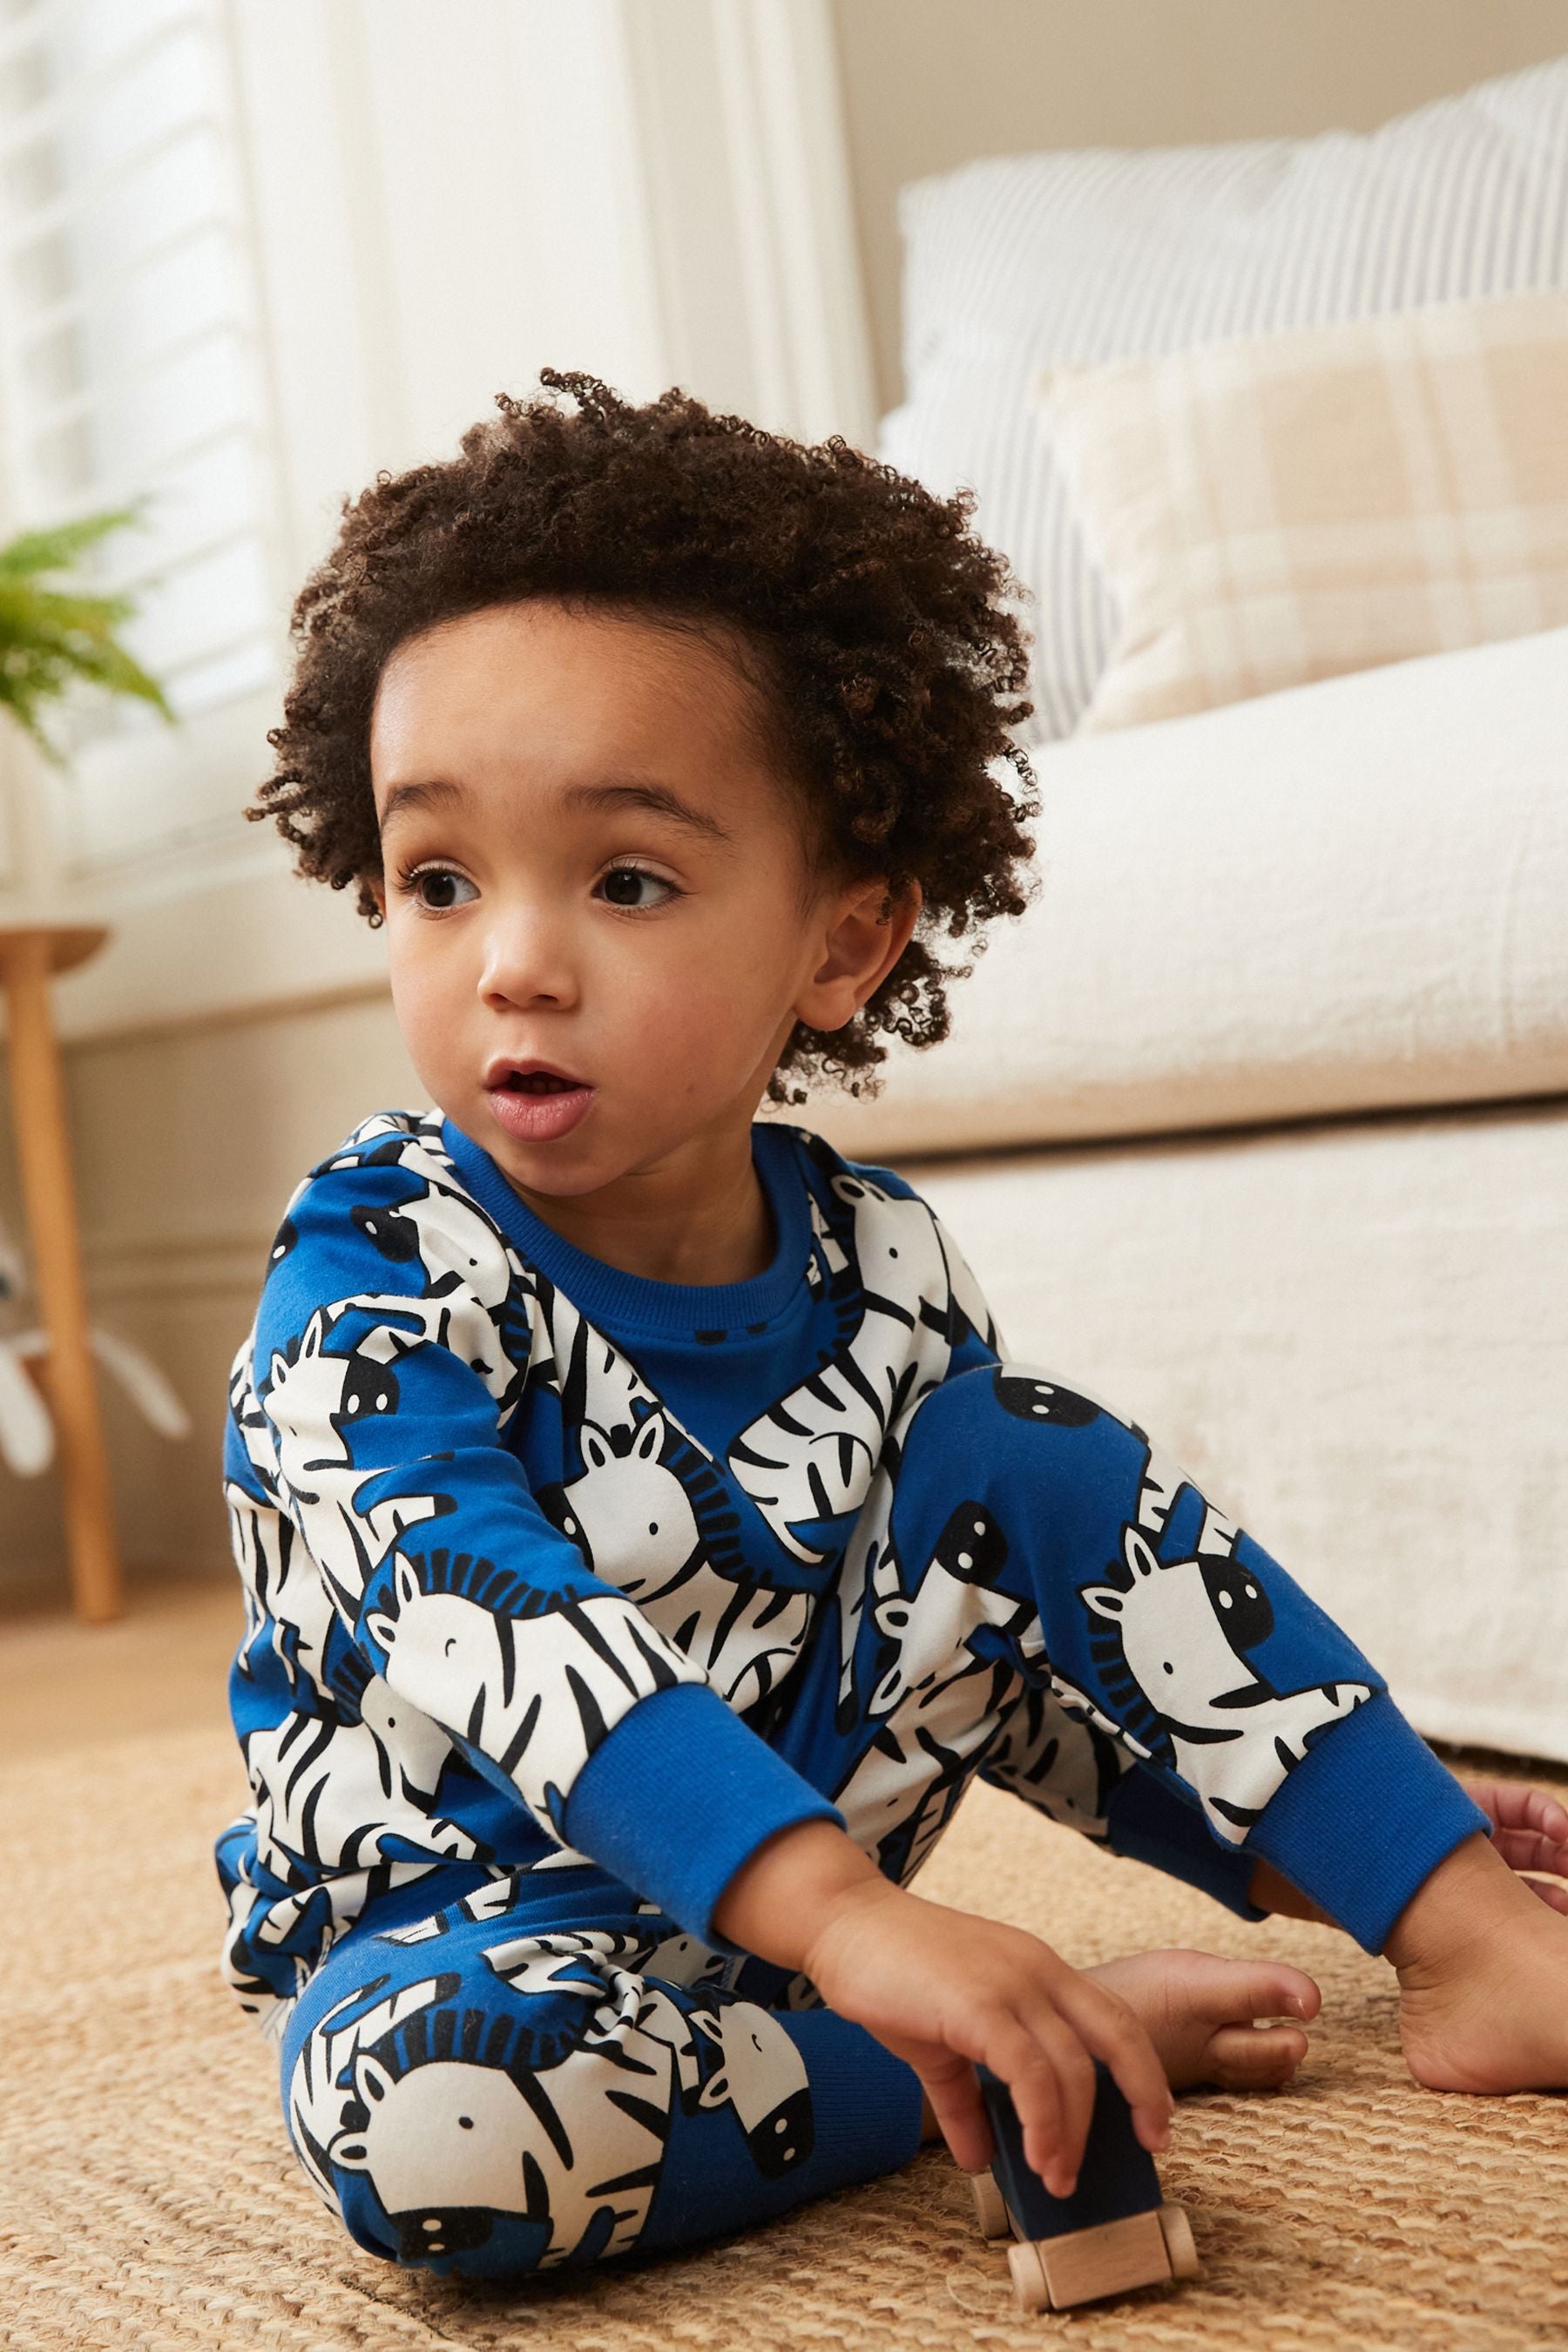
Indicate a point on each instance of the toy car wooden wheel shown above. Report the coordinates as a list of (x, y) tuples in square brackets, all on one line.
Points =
[(1031, 2289), (990, 2206), (1177, 2232)]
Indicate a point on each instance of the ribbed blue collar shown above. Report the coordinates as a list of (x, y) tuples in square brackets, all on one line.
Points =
[(607, 1295)]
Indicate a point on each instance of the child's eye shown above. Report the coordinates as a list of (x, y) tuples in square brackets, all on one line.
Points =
[(618, 876), (438, 889)]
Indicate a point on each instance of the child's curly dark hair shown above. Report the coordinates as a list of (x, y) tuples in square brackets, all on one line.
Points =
[(868, 619)]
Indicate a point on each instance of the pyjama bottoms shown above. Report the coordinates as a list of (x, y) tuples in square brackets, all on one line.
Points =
[(494, 2073)]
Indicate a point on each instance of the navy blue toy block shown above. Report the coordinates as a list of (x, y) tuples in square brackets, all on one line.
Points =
[(1113, 2233)]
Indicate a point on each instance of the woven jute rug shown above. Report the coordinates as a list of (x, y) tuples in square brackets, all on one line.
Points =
[(149, 2197)]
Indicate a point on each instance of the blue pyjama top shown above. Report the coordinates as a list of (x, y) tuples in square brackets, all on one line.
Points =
[(530, 1545), (574, 1520)]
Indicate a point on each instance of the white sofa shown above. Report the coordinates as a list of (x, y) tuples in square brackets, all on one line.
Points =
[(1257, 1124)]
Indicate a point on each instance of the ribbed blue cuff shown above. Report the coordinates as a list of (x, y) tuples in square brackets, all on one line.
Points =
[(679, 1796), (1148, 1821), (1364, 1819)]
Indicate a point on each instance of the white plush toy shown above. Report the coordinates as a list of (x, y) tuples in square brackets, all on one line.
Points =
[(26, 1433)]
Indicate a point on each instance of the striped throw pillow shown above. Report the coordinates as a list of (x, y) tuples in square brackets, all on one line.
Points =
[(1015, 265), (1279, 508)]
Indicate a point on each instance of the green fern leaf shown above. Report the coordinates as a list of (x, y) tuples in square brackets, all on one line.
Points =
[(52, 639)]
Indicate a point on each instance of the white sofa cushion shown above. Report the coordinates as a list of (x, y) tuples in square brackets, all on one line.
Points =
[(1350, 896), (1021, 262)]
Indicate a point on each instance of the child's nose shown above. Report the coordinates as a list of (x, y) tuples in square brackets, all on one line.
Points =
[(527, 960)]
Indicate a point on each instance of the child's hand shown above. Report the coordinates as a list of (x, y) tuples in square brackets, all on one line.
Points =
[(1529, 1829), (942, 1990)]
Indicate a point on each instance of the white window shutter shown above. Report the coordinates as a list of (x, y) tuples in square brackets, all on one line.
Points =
[(251, 251), (132, 366)]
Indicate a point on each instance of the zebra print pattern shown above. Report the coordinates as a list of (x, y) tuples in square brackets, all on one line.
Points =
[(1016, 264)]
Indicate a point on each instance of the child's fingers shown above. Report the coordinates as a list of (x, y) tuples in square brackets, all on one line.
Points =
[(1074, 2071), (1520, 1807), (1529, 1850), (1016, 2052), (960, 2112), (1550, 1891), (1517, 1808), (1546, 1814), (1108, 2030)]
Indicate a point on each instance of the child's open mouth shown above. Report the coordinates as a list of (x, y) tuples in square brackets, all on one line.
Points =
[(536, 1106)]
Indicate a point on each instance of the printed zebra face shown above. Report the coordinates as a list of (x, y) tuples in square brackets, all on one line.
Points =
[(313, 1389), (407, 1743), (446, 2145), (764, 2079), (1175, 1623), (1030, 1396), (444, 1642), (452, 2148), (488, 1673), (632, 1515), (922, 1629), (439, 1234), (1232, 1735), (894, 1244)]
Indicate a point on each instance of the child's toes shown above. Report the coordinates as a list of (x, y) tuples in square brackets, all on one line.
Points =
[(1254, 2057), (1272, 1988)]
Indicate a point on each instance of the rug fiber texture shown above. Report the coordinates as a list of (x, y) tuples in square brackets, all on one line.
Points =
[(151, 2200)]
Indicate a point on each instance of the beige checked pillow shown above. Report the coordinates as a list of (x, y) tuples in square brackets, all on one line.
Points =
[(1289, 506)]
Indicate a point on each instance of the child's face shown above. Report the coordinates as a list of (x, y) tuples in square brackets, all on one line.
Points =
[(540, 909)]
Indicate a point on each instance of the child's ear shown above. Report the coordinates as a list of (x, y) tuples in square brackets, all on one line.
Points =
[(861, 945), (377, 889)]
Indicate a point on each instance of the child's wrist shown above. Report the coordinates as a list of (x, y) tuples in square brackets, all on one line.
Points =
[(783, 1895)]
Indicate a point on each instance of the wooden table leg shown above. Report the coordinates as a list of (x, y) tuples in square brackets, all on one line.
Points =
[(48, 1190)]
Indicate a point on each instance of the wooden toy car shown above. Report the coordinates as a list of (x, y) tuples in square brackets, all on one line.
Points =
[(1113, 2233)]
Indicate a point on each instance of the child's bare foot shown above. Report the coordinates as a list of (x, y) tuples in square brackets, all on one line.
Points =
[(1200, 2011), (1483, 1979)]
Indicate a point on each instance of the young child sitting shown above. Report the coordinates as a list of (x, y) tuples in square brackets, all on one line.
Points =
[(644, 1532)]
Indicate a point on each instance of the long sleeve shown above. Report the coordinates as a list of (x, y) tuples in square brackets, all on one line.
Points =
[(390, 1352)]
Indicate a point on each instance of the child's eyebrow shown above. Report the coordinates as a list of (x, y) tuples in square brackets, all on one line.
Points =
[(643, 794), (435, 794), (658, 798)]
